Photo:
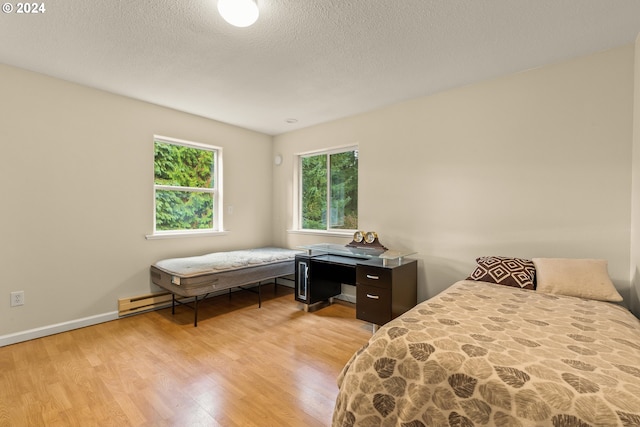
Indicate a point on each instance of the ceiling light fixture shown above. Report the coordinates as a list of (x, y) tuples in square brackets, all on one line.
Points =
[(240, 13)]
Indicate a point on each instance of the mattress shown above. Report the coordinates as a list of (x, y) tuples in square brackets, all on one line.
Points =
[(198, 275), (481, 354)]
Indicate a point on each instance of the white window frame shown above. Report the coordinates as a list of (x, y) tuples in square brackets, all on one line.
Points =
[(297, 227), (216, 191)]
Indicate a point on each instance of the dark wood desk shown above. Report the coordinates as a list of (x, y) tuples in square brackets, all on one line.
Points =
[(384, 289)]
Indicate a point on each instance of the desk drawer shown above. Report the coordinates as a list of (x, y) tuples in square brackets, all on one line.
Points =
[(373, 276), (373, 304)]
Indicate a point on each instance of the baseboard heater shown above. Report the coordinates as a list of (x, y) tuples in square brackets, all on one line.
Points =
[(146, 302)]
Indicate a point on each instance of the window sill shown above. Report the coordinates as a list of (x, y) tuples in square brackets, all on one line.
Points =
[(179, 234), (325, 233)]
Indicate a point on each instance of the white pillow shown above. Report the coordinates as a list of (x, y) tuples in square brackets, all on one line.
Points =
[(583, 278)]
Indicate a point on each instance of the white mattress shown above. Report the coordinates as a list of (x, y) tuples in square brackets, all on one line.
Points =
[(224, 261)]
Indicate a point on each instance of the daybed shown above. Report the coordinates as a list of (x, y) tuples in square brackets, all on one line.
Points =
[(485, 354), (199, 276)]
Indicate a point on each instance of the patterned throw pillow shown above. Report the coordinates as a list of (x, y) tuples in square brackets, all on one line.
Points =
[(516, 272)]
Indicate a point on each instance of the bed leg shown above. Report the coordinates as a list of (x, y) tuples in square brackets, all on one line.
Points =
[(195, 315), (173, 304), (259, 294)]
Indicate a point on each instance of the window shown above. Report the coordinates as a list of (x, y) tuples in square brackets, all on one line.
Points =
[(329, 190), (186, 186)]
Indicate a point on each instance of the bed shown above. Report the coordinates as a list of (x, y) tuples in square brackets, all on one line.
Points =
[(484, 354), (198, 276)]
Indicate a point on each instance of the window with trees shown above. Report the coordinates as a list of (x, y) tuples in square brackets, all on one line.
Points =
[(185, 186), (329, 190)]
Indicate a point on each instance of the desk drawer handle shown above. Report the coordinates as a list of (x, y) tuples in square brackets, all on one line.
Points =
[(373, 296), (369, 276)]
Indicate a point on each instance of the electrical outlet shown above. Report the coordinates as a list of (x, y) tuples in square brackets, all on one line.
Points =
[(17, 298)]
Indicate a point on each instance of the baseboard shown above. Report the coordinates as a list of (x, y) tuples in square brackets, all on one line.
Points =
[(73, 324), (56, 329), (348, 298)]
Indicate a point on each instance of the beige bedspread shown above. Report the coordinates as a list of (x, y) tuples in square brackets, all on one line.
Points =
[(480, 354)]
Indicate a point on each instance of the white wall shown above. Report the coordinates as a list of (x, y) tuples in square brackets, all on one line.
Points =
[(532, 164), (77, 196), (635, 194), (536, 164)]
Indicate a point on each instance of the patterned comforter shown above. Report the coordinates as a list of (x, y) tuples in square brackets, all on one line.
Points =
[(480, 354)]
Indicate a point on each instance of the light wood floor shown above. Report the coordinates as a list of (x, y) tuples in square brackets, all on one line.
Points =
[(242, 366)]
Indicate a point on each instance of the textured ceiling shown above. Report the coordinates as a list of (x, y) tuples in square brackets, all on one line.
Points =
[(312, 60)]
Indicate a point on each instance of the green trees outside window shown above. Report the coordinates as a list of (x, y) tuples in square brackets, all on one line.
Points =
[(185, 187), (329, 191)]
